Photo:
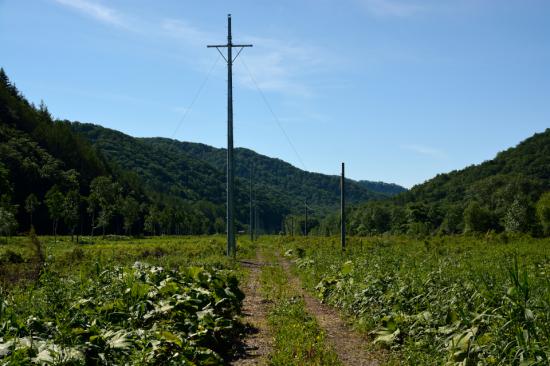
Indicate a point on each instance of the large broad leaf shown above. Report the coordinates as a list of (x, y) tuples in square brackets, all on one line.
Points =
[(5, 348), (459, 344), (170, 337), (347, 268), (386, 337)]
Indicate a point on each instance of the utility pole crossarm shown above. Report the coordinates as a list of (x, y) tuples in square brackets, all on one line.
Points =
[(232, 45)]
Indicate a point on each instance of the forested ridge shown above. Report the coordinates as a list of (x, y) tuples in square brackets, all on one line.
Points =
[(70, 177), (508, 193), (197, 171), (275, 175)]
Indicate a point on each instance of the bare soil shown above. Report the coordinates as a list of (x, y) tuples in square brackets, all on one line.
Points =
[(349, 345), (258, 341)]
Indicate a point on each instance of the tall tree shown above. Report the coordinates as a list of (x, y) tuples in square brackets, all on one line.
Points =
[(130, 211), (152, 220), (108, 194), (7, 222), (31, 203), (71, 211), (55, 201), (91, 209), (476, 218)]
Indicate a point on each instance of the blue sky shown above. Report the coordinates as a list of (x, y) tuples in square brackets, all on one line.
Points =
[(399, 90)]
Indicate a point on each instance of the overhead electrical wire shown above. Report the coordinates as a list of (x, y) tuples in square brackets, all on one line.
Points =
[(275, 118), (197, 94)]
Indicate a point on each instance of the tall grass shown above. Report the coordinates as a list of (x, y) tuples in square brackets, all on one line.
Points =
[(448, 300)]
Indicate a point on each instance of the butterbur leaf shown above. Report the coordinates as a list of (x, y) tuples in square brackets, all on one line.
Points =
[(386, 337), (5, 348), (170, 337), (347, 268)]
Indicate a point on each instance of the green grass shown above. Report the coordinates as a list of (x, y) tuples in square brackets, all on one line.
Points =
[(67, 257), (446, 300), (298, 338)]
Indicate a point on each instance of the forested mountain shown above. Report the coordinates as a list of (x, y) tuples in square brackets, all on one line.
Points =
[(162, 169), (390, 189), (502, 194), (80, 177), (192, 171), (51, 177), (321, 190), (74, 178)]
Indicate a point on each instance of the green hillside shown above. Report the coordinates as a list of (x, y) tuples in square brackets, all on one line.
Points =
[(500, 194), (390, 189), (57, 180), (192, 171), (277, 175)]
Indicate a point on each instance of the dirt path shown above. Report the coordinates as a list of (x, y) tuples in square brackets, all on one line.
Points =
[(348, 344), (258, 342)]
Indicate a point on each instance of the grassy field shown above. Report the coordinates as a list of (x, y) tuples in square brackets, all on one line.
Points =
[(175, 300), (447, 300)]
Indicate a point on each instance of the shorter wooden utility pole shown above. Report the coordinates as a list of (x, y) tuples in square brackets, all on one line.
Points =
[(343, 209)]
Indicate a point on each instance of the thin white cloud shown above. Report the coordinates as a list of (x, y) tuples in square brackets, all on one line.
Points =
[(279, 66), (95, 10), (392, 8), (276, 65), (425, 150), (184, 31)]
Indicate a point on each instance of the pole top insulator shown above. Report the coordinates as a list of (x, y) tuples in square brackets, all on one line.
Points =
[(229, 15)]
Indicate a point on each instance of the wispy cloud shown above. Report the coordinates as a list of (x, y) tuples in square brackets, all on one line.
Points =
[(392, 8), (425, 150), (185, 32), (279, 66), (276, 65), (96, 11)]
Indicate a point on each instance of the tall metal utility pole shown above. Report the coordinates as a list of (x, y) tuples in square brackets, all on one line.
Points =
[(343, 209), (251, 224), (231, 248)]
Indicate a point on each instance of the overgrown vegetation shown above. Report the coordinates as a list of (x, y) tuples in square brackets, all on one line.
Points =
[(446, 300), (508, 193), (119, 301)]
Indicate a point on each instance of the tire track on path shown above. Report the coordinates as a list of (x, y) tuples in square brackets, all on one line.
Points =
[(258, 341), (348, 344)]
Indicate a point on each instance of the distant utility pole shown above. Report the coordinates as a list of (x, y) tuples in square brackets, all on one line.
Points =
[(231, 248), (343, 209), (305, 224), (251, 206)]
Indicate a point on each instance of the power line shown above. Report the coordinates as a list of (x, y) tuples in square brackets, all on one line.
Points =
[(196, 96), (273, 113)]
